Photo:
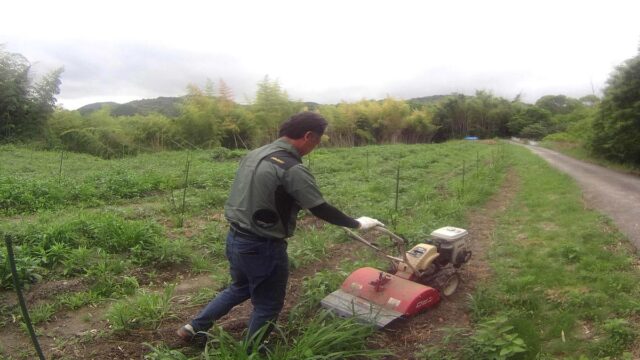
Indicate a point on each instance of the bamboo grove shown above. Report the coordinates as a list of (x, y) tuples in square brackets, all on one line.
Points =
[(210, 117)]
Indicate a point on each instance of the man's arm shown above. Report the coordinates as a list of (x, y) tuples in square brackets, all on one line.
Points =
[(334, 216)]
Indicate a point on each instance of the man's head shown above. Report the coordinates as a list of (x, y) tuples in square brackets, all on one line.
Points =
[(304, 131)]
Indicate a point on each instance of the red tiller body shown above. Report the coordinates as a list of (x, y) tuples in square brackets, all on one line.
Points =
[(390, 292)]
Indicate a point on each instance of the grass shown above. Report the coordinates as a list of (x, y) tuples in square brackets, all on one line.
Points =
[(558, 269), (102, 219), (145, 310)]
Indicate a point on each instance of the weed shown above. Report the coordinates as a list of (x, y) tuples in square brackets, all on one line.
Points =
[(163, 353), (75, 301), (146, 310), (28, 268), (435, 352), (328, 337), (162, 252), (496, 339), (309, 246), (42, 313), (619, 336), (77, 261), (315, 289)]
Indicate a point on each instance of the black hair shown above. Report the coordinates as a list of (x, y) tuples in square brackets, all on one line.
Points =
[(298, 125)]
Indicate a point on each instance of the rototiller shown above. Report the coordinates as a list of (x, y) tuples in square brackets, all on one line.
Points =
[(416, 281)]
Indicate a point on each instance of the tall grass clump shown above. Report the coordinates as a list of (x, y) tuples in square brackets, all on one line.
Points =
[(145, 310), (324, 337), (328, 337), (88, 244)]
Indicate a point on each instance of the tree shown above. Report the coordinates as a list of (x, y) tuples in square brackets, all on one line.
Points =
[(616, 129), (419, 126), (270, 108), (200, 121), (392, 119), (558, 104), (24, 105), (589, 100), (452, 118), (535, 120)]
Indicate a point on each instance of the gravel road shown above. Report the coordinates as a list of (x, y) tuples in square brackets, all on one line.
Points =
[(612, 193)]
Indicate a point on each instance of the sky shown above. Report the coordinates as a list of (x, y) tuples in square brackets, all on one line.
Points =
[(323, 51)]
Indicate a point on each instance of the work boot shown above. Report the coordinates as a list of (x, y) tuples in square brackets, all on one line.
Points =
[(186, 333)]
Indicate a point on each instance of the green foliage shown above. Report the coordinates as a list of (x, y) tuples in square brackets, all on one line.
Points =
[(532, 122), (28, 268), (558, 104), (101, 134), (24, 105), (73, 301), (616, 129), (90, 245), (270, 108), (164, 353), (482, 115), (224, 154), (41, 313), (315, 289), (496, 339), (146, 310), (620, 335), (328, 337), (555, 268)]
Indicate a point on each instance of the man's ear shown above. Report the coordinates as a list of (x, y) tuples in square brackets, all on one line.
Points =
[(308, 135)]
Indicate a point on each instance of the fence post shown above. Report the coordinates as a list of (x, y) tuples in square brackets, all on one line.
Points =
[(184, 192), (60, 170), (367, 164), (397, 187), (463, 173), (23, 306)]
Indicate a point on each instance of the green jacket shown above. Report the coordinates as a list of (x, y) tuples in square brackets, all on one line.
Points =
[(270, 187)]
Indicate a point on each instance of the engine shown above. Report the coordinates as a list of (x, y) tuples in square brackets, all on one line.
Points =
[(452, 244)]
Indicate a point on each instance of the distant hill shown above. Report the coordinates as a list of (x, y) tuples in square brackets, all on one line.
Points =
[(88, 109), (167, 106), (424, 100)]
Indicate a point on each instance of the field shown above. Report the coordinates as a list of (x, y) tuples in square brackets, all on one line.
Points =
[(116, 254)]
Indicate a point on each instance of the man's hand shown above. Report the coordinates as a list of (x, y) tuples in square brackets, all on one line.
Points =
[(367, 223)]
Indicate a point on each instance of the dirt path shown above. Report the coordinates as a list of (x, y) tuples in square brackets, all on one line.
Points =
[(611, 192), (404, 339)]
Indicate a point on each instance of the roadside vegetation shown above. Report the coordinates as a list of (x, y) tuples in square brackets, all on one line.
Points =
[(564, 281), (609, 133)]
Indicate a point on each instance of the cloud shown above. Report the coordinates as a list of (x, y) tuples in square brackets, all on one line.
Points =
[(325, 51)]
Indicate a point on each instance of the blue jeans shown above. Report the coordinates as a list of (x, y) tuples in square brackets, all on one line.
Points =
[(259, 270)]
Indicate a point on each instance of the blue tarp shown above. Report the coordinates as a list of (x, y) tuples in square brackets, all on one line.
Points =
[(471, 138)]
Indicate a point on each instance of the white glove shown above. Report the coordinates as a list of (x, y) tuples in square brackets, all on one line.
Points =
[(367, 223)]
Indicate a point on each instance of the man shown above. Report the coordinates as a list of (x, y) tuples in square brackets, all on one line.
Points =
[(270, 187)]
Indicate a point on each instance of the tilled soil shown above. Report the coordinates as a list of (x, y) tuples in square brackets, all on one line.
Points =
[(83, 334)]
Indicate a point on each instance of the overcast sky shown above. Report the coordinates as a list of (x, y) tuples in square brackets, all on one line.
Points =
[(323, 51)]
